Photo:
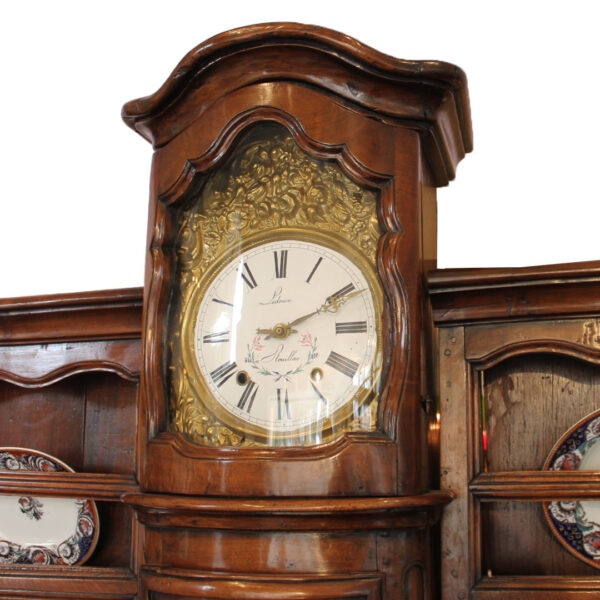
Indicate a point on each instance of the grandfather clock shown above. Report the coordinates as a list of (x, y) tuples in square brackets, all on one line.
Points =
[(285, 378)]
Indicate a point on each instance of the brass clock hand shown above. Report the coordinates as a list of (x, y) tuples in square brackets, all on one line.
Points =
[(281, 330), (332, 304)]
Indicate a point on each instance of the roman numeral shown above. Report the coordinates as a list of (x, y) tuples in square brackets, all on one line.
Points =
[(222, 302), (316, 389), (215, 338), (345, 290), (221, 374), (351, 327), (280, 263), (314, 269), (286, 406), (248, 277), (342, 364), (248, 396)]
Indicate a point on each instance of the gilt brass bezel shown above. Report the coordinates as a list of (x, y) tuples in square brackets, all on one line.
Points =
[(342, 417)]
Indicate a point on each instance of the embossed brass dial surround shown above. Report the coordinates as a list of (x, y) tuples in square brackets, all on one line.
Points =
[(269, 190)]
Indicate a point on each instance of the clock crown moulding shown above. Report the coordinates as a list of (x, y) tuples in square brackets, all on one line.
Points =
[(429, 96)]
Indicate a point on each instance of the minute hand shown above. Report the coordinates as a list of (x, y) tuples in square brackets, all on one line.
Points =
[(331, 305)]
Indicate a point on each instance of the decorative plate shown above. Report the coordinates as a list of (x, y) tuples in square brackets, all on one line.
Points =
[(44, 531), (576, 524)]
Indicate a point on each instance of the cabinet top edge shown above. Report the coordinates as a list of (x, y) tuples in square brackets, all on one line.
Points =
[(388, 70), (131, 296), (444, 280)]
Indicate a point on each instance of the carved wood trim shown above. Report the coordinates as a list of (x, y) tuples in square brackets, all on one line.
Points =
[(396, 320), (369, 508), (550, 346), (434, 94), (332, 449), (260, 114), (171, 584), (487, 295), (68, 371), (105, 315), (97, 486), (61, 583), (534, 486), (536, 587)]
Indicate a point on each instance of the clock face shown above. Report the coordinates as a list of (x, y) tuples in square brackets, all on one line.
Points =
[(286, 337)]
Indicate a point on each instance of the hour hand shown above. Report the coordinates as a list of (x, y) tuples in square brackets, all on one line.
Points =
[(280, 330)]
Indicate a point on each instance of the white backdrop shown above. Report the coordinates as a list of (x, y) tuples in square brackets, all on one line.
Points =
[(75, 178)]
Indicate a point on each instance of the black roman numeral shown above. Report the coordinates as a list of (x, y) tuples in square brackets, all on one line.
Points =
[(345, 290), (221, 374), (248, 396), (314, 269), (248, 277), (280, 263), (351, 327), (286, 406), (323, 399), (342, 364), (215, 338)]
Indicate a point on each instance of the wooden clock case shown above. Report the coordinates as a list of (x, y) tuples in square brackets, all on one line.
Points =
[(395, 127), (350, 518)]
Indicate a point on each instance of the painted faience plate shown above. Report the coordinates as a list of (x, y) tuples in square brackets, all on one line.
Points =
[(576, 524), (44, 531)]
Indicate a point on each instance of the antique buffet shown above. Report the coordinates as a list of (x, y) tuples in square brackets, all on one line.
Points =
[(298, 404)]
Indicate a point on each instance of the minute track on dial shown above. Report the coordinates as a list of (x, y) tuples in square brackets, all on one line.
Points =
[(301, 371)]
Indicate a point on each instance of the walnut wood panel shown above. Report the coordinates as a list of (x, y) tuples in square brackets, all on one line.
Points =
[(258, 552), (520, 393), (66, 583), (110, 314), (399, 559), (69, 420), (49, 420), (304, 472), (454, 463), (176, 584), (110, 443), (518, 541), (116, 535)]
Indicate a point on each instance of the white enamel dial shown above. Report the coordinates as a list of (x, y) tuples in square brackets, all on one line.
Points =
[(286, 335)]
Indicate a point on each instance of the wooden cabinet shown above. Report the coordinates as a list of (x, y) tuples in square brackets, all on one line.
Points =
[(285, 133), (519, 365), (69, 372)]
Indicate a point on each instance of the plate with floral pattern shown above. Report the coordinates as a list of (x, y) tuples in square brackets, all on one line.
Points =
[(44, 531), (575, 523)]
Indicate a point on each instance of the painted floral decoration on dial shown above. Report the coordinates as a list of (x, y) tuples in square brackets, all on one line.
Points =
[(286, 336)]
